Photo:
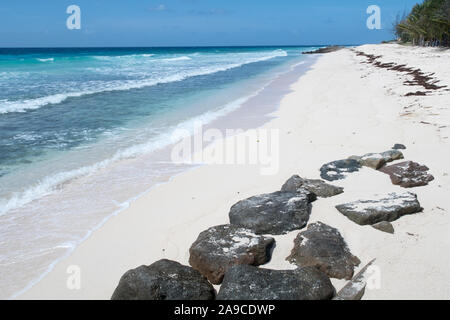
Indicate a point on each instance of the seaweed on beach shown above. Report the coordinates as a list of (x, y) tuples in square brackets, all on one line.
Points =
[(419, 78)]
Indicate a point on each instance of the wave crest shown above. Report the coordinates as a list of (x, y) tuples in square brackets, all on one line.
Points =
[(7, 106)]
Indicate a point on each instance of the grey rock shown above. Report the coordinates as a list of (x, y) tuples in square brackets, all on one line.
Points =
[(273, 213), (371, 160), (384, 226), (245, 282), (337, 170), (323, 247), (318, 187), (408, 174), (399, 146), (221, 247), (355, 288), (163, 280), (378, 160), (388, 207), (392, 155)]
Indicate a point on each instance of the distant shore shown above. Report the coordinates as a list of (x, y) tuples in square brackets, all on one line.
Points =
[(346, 104)]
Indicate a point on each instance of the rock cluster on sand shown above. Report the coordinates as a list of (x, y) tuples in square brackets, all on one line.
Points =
[(245, 282), (163, 280), (274, 213), (323, 247), (317, 187), (378, 160), (230, 254), (221, 247), (408, 174), (337, 170), (389, 207)]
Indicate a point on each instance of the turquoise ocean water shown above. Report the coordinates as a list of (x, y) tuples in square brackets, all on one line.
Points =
[(79, 129)]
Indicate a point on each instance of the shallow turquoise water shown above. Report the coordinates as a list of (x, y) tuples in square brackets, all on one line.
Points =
[(69, 116)]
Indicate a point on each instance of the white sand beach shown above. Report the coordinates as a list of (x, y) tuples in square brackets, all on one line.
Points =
[(341, 107)]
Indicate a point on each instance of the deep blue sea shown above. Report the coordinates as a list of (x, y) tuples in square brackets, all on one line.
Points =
[(76, 123)]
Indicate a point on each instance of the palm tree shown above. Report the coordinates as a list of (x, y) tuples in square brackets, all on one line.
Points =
[(427, 24)]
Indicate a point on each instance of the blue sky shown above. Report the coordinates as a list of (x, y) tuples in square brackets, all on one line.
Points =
[(42, 23)]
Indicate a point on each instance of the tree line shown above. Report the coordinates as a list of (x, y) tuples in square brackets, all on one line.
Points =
[(428, 24)]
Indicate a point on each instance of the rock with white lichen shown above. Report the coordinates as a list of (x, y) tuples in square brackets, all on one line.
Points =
[(408, 174), (245, 282), (318, 187), (323, 247), (219, 248), (379, 208), (273, 213), (163, 280), (339, 169)]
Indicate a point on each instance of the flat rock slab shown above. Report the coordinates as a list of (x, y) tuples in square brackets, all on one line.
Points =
[(274, 213), (323, 247), (408, 174), (384, 226), (163, 280), (337, 170), (318, 187), (221, 247), (371, 160), (355, 288), (387, 207), (392, 155), (245, 282), (378, 160)]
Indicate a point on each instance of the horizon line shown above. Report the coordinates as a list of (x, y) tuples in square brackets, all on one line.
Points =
[(206, 46)]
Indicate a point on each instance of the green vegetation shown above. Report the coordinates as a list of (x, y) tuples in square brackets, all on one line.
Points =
[(428, 24)]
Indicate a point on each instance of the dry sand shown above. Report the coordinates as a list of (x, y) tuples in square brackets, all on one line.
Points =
[(341, 107)]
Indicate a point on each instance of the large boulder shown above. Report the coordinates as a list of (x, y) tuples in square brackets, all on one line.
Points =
[(388, 207), (163, 280), (337, 170), (408, 174), (317, 187), (273, 213), (245, 282), (221, 247), (323, 247)]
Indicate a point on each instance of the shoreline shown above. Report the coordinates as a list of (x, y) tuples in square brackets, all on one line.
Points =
[(338, 94), (265, 97)]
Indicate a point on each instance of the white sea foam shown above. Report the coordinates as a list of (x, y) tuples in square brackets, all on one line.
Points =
[(7, 106), (123, 57), (184, 58), (50, 183), (46, 60)]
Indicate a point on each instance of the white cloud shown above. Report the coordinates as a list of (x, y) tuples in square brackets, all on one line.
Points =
[(160, 7)]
